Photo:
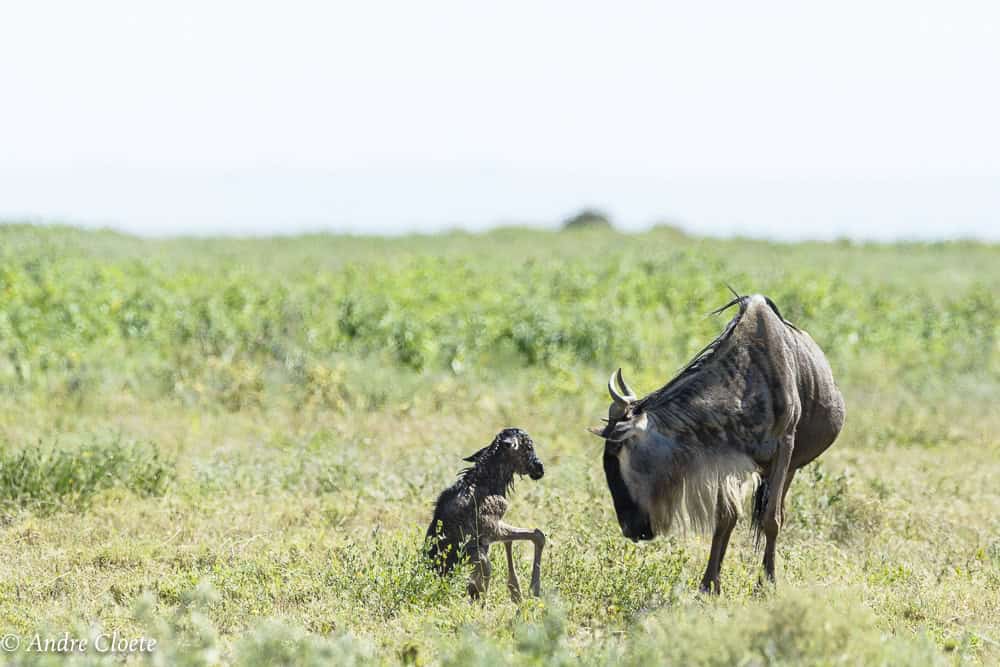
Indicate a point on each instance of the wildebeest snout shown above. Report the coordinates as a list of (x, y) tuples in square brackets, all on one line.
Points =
[(536, 470), (636, 526)]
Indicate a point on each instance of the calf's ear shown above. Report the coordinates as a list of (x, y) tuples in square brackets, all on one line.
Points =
[(474, 458)]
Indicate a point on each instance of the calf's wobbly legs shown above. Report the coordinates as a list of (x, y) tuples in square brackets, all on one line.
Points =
[(507, 534), (512, 584), (479, 583)]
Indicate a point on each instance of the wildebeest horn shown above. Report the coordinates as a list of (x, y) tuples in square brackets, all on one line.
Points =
[(624, 385), (618, 398)]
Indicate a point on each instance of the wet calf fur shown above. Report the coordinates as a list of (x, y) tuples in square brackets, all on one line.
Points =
[(468, 515)]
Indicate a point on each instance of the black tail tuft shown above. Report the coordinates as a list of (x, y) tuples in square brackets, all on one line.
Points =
[(757, 520)]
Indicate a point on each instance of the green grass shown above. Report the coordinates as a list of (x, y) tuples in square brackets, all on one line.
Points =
[(231, 446), (48, 479)]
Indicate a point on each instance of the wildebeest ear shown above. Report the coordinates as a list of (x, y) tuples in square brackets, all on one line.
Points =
[(478, 455), (599, 431)]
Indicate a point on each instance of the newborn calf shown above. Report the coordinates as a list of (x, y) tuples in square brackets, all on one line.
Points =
[(468, 515)]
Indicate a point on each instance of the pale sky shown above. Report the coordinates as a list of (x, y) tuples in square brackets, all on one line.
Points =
[(790, 119)]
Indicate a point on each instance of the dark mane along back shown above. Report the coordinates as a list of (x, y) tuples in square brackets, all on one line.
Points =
[(698, 362)]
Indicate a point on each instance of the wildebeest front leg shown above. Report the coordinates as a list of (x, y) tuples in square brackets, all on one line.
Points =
[(725, 521), (479, 582), (507, 533), (512, 584), (777, 481)]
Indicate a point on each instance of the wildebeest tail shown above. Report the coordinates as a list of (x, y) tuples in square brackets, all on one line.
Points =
[(757, 518)]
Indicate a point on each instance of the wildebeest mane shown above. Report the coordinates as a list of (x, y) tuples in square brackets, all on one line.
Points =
[(484, 464), (705, 355)]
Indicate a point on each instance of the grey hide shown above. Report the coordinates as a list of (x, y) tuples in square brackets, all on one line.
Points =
[(758, 403)]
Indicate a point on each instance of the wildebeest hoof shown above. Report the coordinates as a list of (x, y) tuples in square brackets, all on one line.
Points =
[(710, 587), (764, 586)]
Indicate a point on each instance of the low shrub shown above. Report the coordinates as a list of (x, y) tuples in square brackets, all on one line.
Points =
[(50, 477)]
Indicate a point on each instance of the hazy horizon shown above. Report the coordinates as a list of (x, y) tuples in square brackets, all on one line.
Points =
[(778, 120), (263, 202)]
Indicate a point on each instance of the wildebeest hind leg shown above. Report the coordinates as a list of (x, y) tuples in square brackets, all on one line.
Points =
[(479, 583), (512, 584), (778, 478), (725, 521)]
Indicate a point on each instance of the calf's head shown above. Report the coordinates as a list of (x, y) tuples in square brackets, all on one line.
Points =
[(515, 448)]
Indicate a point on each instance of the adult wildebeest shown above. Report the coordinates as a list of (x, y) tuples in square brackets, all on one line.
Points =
[(468, 515), (759, 399)]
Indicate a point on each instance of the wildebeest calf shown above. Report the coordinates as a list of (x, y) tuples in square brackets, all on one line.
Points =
[(468, 515)]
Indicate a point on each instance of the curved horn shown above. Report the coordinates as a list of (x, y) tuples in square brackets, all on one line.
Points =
[(629, 394), (618, 398)]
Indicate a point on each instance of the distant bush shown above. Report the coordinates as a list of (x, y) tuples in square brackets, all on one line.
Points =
[(588, 218), (670, 229)]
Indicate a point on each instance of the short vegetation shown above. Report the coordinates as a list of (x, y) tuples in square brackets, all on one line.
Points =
[(232, 446)]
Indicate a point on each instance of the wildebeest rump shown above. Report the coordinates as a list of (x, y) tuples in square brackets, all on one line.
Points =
[(758, 400), (468, 515)]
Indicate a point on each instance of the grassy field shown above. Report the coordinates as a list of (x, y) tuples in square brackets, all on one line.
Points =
[(231, 447)]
